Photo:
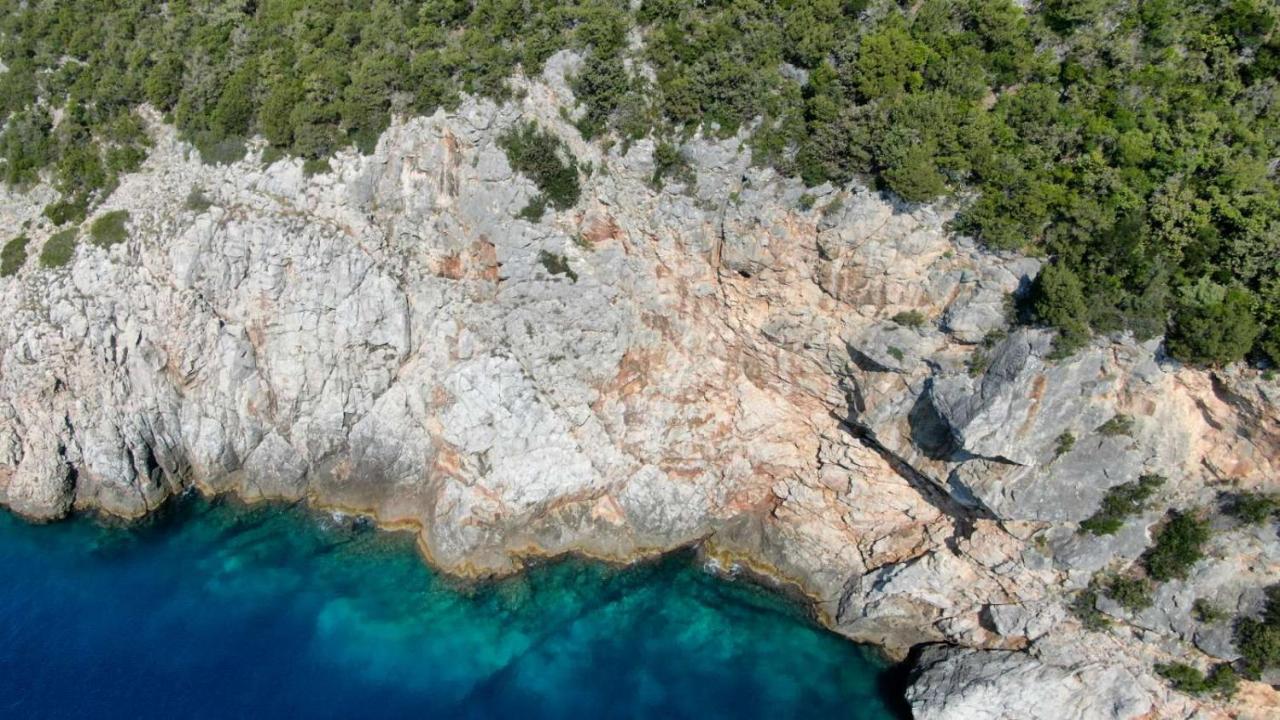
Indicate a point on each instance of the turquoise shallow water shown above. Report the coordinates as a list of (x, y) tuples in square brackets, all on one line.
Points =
[(221, 611)]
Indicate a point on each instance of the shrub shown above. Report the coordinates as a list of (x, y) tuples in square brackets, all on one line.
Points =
[(109, 229), (896, 353), (1179, 545), (59, 248), (1119, 503), (13, 256), (1085, 607), (1132, 593), (1065, 442), (1222, 679), (197, 201), (556, 264), (220, 150), (1057, 300), (1119, 424), (66, 211), (1213, 325), (1258, 639), (1252, 508), (909, 318), (1206, 612), (537, 154), (669, 162), (315, 166), (806, 201)]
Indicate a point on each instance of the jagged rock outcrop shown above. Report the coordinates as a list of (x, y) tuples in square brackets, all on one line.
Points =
[(652, 368)]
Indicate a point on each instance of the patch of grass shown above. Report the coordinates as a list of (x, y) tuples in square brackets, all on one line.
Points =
[(909, 318), (545, 160), (1222, 679), (1206, 612), (1252, 508), (556, 264), (13, 256), (1065, 442), (109, 229), (1119, 424), (1119, 503), (1179, 545), (896, 353), (1132, 593), (59, 249), (806, 201)]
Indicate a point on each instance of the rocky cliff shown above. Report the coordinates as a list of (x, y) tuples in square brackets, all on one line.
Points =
[(712, 362)]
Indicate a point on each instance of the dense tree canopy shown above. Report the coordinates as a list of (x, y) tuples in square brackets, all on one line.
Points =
[(1133, 142)]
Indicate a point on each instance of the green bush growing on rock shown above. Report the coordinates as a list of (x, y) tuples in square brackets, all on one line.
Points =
[(1132, 593), (1179, 545), (909, 318), (1057, 300), (198, 201), (59, 248), (1258, 639), (109, 229), (1085, 607), (1222, 679), (544, 159), (1213, 325), (556, 264), (1063, 445), (1206, 612), (1119, 424), (1120, 503), (13, 256), (670, 163), (1252, 508)]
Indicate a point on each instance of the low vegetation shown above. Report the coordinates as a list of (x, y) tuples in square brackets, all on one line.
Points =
[(1119, 424), (544, 159), (556, 264), (59, 248), (1252, 508), (909, 318), (1132, 593), (1258, 639), (1085, 607), (1222, 680), (1179, 545), (109, 229), (1120, 503), (13, 256), (1131, 143)]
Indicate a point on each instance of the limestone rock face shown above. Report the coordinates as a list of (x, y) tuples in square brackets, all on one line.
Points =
[(715, 361)]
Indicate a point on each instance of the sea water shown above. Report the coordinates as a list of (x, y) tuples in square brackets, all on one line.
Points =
[(221, 611)]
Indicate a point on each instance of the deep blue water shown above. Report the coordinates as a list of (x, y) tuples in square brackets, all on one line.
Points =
[(218, 611)]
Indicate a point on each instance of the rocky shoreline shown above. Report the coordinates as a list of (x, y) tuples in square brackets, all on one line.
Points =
[(818, 384)]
